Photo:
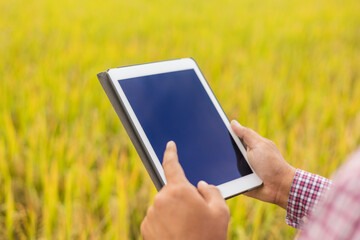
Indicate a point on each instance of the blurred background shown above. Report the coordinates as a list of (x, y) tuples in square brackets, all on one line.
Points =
[(288, 69)]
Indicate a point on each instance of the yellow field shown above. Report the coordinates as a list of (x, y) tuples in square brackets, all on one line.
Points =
[(288, 69)]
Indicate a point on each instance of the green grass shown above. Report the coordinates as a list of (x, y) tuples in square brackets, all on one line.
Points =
[(288, 69)]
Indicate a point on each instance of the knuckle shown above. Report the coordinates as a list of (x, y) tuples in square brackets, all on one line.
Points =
[(214, 188), (168, 163), (159, 201), (169, 154), (264, 144), (165, 162), (269, 142), (163, 190), (272, 143), (150, 211), (143, 228), (224, 212), (180, 190), (177, 192), (227, 211), (246, 130), (184, 188), (167, 192)]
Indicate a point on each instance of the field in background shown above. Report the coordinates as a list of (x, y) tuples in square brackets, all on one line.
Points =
[(288, 69)]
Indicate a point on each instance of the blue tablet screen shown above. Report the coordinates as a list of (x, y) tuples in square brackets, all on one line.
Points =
[(175, 106)]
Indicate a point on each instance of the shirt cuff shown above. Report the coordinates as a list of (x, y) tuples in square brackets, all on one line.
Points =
[(305, 192)]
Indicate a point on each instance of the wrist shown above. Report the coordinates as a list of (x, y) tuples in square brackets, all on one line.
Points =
[(283, 192)]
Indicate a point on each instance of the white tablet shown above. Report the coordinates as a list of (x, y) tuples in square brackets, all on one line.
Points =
[(171, 100)]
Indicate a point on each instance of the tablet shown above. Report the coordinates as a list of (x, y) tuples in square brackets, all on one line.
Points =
[(171, 100)]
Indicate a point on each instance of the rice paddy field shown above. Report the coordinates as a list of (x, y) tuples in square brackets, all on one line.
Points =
[(288, 69)]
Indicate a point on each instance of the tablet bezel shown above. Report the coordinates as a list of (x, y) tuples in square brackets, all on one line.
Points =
[(228, 189)]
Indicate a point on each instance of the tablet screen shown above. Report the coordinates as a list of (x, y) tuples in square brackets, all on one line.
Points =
[(175, 106)]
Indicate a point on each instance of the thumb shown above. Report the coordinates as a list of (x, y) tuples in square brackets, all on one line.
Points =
[(248, 136), (174, 173), (210, 193)]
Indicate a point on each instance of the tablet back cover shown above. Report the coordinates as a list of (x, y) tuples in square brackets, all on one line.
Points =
[(115, 102)]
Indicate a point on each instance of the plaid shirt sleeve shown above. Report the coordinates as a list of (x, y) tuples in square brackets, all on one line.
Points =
[(337, 216), (305, 192)]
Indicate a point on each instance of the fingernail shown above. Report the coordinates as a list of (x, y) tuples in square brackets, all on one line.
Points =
[(236, 123), (202, 183), (169, 144)]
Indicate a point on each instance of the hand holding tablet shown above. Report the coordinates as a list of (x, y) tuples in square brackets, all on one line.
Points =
[(171, 100), (182, 211)]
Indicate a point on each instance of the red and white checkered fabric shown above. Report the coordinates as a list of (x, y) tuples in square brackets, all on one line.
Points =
[(337, 215), (305, 192)]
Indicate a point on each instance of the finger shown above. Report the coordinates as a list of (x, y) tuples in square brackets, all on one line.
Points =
[(211, 194), (172, 168), (249, 137)]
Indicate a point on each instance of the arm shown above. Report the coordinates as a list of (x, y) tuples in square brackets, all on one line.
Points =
[(202, 213), (337, 216), (296, 191)]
